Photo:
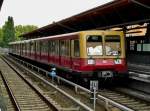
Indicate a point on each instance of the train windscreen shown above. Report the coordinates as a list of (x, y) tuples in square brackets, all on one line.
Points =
[(94, 45), (112, 45)]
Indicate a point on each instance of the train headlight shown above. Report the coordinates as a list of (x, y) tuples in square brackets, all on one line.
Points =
[(91, 61), (118, 61)]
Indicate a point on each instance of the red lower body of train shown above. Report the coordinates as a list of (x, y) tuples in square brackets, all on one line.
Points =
[(101, 68)]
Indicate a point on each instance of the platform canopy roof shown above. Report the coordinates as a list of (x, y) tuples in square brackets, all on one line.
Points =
[(1, 1), (117, 13)]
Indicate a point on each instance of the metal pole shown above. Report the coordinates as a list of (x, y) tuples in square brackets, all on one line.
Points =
[(52, 79), (94, 99)]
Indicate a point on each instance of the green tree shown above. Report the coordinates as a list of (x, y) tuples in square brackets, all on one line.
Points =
[(19, 30), (8, 32), (1, 37)]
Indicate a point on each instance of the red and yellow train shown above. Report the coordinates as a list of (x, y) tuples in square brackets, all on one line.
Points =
[(86, 53)]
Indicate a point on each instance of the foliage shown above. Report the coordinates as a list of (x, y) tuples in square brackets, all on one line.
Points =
[(8, 31), (1, 37), (19, 30)]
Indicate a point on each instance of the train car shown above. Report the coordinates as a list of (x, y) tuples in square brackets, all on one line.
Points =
[(95, 53)]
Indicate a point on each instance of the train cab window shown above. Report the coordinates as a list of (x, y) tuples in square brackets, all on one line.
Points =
[(76, 48), (94, 45), (112, 45)]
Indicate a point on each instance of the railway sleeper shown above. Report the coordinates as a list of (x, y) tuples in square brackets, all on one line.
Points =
[(145, 108), (54, 103), (137, 106), (115, 96), (122, 98), (51, 93), (125, 101), (33, 105), (34, 108), (70, 109), (112, 94)]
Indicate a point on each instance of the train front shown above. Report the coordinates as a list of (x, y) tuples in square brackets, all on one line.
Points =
[(104, 54)]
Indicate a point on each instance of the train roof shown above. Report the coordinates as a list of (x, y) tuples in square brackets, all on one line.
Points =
[(62, 35)]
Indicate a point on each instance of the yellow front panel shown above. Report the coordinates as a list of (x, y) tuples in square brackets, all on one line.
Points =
[(82, 38)]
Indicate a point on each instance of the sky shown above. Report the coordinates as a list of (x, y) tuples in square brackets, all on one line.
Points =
[(44, 12)]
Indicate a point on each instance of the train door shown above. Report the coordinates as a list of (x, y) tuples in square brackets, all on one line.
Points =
[(71, 52), (75, 54), (70, 62), (67, 54)]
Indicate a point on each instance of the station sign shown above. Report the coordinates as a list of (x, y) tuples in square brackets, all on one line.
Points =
[(94, 85)]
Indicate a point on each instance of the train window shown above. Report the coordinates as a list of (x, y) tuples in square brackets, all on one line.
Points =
[(26, 49), (22, 48), (94, 45), (37, 46), (67, 47), (32, 46), (62, 46), (53, 45), (76, 48), (49, 47), (44, 47), (18, 49), (112, 45), (57, 47)]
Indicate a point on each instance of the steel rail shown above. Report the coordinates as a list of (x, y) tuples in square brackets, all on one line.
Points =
[(31, 85), (100, 97), (118, 105), (58, 89), (10, 92)]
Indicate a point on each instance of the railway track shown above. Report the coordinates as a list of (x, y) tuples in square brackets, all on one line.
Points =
[(7, 100), (126, 100), (58, 99), (23, 95), (113, 99)]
